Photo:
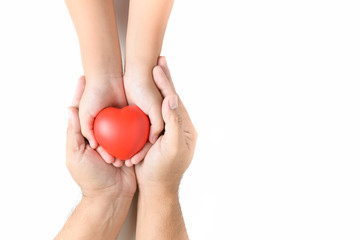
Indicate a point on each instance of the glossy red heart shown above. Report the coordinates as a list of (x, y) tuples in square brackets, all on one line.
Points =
[(122, 132)]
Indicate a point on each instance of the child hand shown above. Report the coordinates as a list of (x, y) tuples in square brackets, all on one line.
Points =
[(97, 96), (141, 91)]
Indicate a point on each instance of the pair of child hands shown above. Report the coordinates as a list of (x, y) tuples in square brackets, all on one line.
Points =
[(135, 88)]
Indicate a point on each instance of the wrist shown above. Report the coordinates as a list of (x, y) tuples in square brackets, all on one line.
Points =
[(140, 62), (107, 196), (104, 215), (100, 79), (107, 209), (155, 201), (138, 68), (106, 205), (155, 191)]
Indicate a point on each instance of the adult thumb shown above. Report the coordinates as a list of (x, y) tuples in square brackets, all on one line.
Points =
[(172, 117), (74, 138)]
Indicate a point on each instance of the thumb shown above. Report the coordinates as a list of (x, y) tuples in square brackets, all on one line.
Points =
[(87, 127), (74, 138), (172, 118)]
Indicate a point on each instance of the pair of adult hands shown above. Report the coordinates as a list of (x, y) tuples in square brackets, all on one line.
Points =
[(165, 162)]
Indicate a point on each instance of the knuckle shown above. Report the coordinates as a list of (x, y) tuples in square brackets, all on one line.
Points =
[(175, 118)]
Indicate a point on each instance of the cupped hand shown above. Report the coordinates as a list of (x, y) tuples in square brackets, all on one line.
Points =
[(141, 91), (170, 156), (95, 177), (97, 96)]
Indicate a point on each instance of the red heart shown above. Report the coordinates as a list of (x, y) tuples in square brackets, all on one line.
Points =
[(122, 132)]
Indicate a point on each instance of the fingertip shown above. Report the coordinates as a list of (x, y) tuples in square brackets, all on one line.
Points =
[(161, 60), (105, 155), (153, 138), (93, 143), (157, 124), (141, 155), (128, 163), (136, 159), (164, 66), (158, 74), (158, 70), (118, 163), (163, 81), (155, 133)]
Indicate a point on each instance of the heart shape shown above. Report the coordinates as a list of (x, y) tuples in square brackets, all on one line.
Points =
[(122, 132)]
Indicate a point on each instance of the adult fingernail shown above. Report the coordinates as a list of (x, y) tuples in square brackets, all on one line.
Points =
[(173, 102)]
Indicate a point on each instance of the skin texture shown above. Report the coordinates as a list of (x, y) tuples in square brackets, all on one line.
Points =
[(95, 24), (107, 190), (159, 175)]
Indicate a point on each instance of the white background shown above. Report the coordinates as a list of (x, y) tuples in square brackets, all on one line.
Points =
[(272, 88)]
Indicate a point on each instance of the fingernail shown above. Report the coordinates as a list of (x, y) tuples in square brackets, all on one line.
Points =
[(173, 102), (154, 138)]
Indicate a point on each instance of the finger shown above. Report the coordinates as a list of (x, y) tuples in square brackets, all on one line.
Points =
[(87, 128), (157, 123), (163, 64), (141, 155), (105, 155), (74, 139), (80, 87), (173, 120), (118, 163), (162, 82), (128, 163)]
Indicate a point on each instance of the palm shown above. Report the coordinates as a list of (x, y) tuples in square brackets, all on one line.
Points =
[(149, 169), (98, 175), (147, 97), (96, 98), (86, 165)]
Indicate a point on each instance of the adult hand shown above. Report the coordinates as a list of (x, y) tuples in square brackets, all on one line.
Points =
[(95, 177), (167, 160), (107, 190)]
